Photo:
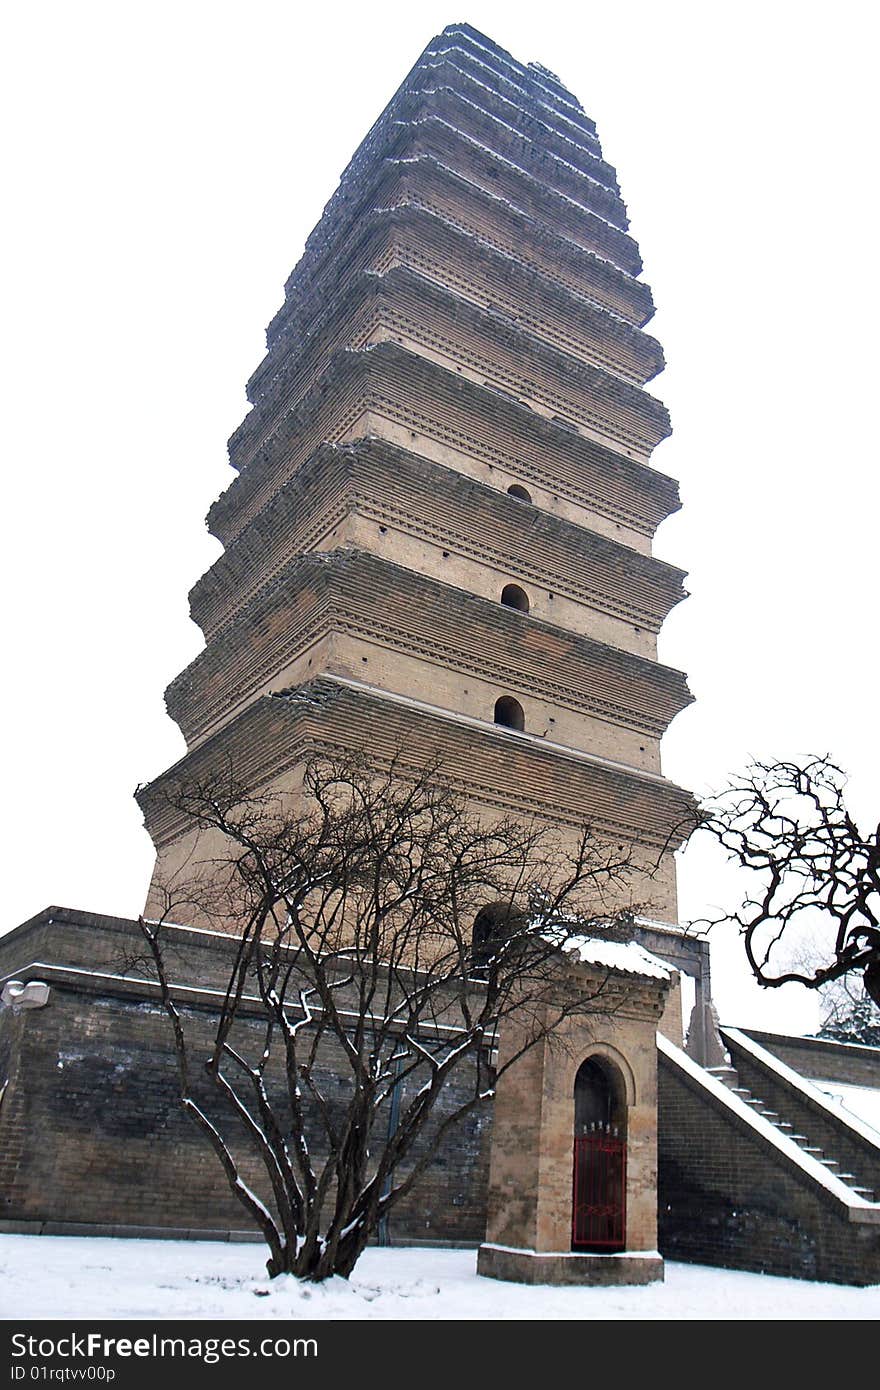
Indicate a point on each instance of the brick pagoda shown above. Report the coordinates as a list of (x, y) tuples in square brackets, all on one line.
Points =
[(439, 533), (438, 545)]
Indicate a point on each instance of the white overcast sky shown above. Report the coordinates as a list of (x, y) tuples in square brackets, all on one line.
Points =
[(163, 164)]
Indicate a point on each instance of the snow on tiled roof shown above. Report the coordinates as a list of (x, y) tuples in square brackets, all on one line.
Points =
[(626, 956)]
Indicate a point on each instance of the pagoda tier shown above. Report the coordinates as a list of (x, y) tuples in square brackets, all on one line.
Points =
[(483, 111), (429, 174), (438, 250), (404, 397), (430, 186), (377, 496), (492, 146), (353, 614), (446, 107), (488, 348), (442, 518), (430, 137), (495, 767), (527, 84)]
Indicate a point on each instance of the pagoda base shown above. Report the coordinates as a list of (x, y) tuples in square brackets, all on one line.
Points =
[(560, 1267)]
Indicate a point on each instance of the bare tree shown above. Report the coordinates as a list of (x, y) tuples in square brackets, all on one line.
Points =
[(383, 932), (815, 873)]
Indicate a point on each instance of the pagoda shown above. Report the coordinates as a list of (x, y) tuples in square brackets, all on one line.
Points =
[(438, 548), (438, 538)]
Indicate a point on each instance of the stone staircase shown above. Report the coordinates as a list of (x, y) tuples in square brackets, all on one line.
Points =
[(758, 1168), (728, 1075)]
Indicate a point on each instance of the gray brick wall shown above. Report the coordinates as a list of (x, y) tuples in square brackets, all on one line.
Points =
[(91, 1129)]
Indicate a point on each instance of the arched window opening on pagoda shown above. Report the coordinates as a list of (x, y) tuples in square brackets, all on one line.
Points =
[(509, 713), (521, 493), (493, 925), (598, 1216), (515, 597)]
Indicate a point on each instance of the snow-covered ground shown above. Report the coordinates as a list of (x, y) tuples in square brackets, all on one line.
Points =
[(76, 1277)]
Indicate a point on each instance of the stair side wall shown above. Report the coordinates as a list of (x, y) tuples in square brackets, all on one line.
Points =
[(851, 1064)]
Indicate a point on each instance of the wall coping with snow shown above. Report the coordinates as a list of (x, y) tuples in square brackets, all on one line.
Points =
[(827, 1047)]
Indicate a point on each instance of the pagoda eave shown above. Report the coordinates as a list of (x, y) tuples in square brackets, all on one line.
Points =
[(578, 151), (579, 324), (425, 180), (512, 772), (368, 597), (489, 348), (396, 490), (384, 381)]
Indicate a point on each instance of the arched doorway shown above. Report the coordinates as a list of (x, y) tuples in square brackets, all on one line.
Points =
[(521, 493), (598, 1219), (509, 713), (493, 925), (512, 596)]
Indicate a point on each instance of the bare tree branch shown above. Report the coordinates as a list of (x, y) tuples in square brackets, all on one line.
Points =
[(814, 871)]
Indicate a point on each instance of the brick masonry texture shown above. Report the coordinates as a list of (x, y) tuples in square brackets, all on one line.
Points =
[(91, 1131)]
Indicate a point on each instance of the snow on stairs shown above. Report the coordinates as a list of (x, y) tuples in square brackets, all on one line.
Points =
[(729, 1076)]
